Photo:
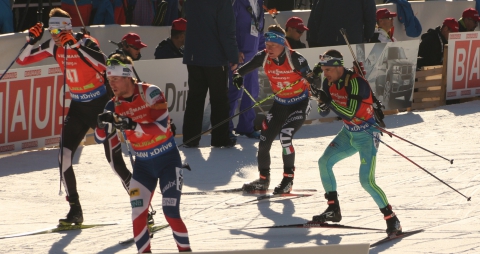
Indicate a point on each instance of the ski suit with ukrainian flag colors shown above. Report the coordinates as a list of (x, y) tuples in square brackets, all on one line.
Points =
[(290, 106), (88, 98), (352, 101), (157, 159)]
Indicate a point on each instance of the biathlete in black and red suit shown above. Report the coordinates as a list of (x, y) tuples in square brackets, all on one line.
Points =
[(85, 63)]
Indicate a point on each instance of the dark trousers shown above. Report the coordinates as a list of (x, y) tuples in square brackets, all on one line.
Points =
[(81, 117), (200, 80), (283, 121)]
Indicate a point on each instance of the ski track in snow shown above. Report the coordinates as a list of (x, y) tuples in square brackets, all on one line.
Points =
[(30, 200)]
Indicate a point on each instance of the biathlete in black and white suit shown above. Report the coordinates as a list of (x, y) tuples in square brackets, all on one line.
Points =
[(140, 110), (285, 68)]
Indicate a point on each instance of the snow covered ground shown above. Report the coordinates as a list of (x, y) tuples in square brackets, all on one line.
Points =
[(29, 193)]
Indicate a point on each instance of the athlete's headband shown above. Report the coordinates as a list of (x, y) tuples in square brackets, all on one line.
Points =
[(326, 60), (59, 23), (276, 37), (117, 68)]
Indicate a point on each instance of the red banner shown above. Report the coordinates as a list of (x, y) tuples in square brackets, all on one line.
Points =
[(31, 108)]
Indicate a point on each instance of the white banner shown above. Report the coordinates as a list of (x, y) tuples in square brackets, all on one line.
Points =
[(463, 68)]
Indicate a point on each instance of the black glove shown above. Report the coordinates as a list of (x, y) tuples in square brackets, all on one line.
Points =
[(173, 128), (104, 118), (317, 70), (35, 33), (238, 81), (124, 123), (320, 95)]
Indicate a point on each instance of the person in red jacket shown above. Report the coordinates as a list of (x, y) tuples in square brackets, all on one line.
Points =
[(85, 64), (289, 76), (141, 112)]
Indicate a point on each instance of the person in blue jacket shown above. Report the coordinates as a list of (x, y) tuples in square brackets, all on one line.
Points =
[(210, 51), (328, 16), (249, 18), (172, 47), (6, 17)]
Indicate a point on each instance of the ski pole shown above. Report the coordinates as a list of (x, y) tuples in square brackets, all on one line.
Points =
[(253, 99), (153, 212), (408, 159), (378, 104), (63, 118), (81, 19), (241, 112), (273, 12), (391, 134), (8, 68)]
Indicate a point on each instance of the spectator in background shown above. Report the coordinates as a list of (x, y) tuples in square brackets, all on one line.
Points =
[(280, 5), (469, 20), (294, 29), (131, 45), (172, 47), (6, 17), (327, 17), (249, 34), (108, 12), (431, 47), (210, 47), (84, 7), (143, 11), (384, 31), (172, 12)]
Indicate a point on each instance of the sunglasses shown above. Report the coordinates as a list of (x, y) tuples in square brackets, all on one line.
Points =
[(112, 62), (55, 31), (299, 31), (325, 58), (472, 20), (389, 18), (133, 47)]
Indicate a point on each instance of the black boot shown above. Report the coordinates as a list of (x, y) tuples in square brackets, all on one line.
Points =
[(285, 186), (75, 215), (260, 184), (393, 224), (332, 213)]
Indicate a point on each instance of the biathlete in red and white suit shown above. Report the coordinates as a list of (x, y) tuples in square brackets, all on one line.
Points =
[(85, 62), (140, 110), (288, 69)]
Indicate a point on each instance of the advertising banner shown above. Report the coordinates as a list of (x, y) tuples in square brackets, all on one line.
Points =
[(31, 103), (463, 68), (31, 98)]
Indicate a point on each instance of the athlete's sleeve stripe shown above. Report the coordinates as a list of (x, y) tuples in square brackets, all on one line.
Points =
[(352, 104)]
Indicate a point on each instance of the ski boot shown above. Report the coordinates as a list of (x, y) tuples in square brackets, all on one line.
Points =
[(332, 213), (285, 186), (260, 184), (393, 224), (75, 215)]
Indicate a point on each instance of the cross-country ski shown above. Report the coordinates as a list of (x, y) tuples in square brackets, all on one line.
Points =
[(59, 228)]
